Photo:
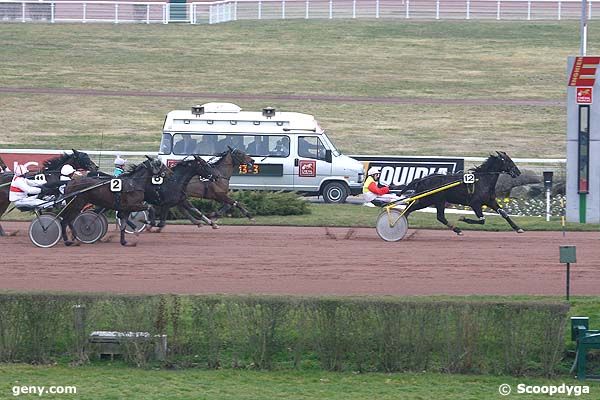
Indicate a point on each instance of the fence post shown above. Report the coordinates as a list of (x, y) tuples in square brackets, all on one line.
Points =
[(116, 13), (147, 14), (498, 11), (84, 13), (407, 9), (590, 9), (52, 12), (437, 9), (282, 9), (260, 10), (79, 320), (307, 6), (235, 8), (330, 9), (559, 9), (377, 9), (529, 10), (468, 9)]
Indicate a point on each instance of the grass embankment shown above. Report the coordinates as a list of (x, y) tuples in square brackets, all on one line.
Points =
[(442, 60)]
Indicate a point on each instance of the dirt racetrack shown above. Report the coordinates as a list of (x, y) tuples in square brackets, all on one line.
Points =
[(305, 261)]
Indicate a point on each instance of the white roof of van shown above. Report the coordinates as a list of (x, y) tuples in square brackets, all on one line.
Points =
[(228, 117)]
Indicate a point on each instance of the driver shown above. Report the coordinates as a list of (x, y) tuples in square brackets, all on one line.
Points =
[(23, 191), (373, 190)]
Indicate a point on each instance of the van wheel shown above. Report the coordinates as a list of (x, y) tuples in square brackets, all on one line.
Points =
[(335, 192)]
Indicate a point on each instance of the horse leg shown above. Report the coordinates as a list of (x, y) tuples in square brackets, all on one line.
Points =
[(243, 210), (496, 207), (2, 211), (123, 217), (188, 209), (440, 207), (478, 212)]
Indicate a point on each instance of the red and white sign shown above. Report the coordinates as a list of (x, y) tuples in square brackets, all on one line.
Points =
[(307, 168), (33, 161), (584, 71), (584, 95)]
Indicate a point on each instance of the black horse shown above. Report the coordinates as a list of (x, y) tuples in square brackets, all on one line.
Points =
[(51, 170), (97, 191), (475, 195), (171, 193)]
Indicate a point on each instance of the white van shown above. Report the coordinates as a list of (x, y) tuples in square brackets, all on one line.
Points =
[(291, 150)]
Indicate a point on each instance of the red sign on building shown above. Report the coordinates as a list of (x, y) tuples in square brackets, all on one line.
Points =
[(584, 95)]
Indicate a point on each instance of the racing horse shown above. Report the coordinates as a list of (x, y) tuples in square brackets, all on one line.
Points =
[(51, 170), (476, 195), (217, 188), (96, 190), (171, 193)]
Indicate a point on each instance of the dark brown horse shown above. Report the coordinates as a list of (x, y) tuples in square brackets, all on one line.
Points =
[(51, 171), (171, 193), (481, 192), (217, 188), (99, 191)]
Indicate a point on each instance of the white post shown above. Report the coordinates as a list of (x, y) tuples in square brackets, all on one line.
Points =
[(52, 12), (84, 12), (590, 10), (583, 49), (529, 10), (282, 9), (559, 9), (330, 9), (377, 9), (116, 13), (547, 204), (407, 9), (437, 9), (353, 8), (210, 11), (307, 6), (498, 11), (260, 10), (235, 8), (147, 13), (22, 12), (468, 9), (166, 11)]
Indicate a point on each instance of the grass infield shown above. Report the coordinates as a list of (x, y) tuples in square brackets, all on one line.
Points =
[(431, 61)]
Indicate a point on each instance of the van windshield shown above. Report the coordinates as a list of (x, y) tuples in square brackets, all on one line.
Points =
[(332, 147), (210, 144)]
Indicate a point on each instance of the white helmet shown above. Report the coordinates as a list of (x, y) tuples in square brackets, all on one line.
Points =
[(67, 170), (21, 170), (120, 161), (373, 171)]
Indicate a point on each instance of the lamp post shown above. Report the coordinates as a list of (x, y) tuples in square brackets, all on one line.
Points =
[(584, 21)]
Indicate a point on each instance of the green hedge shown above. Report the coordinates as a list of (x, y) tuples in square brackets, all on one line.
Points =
[(256, 202), (267, 332)]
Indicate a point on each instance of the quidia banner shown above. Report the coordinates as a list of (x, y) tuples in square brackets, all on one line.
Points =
[(400, 171)]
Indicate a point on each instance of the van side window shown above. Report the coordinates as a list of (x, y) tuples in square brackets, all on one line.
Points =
[(166, 143), (279, 146), (184, 144), (311, 147)]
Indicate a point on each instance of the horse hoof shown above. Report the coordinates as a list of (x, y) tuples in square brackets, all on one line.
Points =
[(520, 230), (215, 226), (69, 243), (252, 220)]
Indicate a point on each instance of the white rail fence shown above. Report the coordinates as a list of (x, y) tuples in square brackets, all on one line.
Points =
[(232, 10)]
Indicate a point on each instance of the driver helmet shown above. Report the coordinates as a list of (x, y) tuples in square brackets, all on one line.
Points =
[(373, 170), (67, 170), (21, 170), (120, 162)]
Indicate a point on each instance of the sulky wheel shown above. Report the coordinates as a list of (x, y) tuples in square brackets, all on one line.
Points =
[(88, 227), (45, 230), (391, 225), (138, 219)]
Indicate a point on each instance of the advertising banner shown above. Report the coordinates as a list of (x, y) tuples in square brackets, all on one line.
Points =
[(400, 171)]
